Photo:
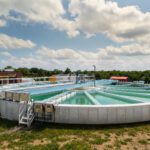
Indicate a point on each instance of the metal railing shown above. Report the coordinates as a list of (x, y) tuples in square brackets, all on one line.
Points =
[(64, 97), (58, 98), (26, 111), (64, 78), (30, 114), (22, 111)]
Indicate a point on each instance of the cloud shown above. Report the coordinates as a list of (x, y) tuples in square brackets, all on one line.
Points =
[(58, 54), (121, 58), (5, 54), (9, 42), (131, 50), (91, 17), (2, 23), (106, 17), (40, 11)]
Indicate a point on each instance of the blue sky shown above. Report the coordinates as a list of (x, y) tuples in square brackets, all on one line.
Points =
[(110, 35), (142, 4)]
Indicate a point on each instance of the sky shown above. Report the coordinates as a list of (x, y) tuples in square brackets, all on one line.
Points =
[(48, 34)]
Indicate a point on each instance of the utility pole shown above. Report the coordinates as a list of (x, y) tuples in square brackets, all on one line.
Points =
[(94, 75)]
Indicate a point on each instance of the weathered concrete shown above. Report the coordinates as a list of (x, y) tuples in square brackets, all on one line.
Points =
[(102, 114), (93, 114), (9, 109)]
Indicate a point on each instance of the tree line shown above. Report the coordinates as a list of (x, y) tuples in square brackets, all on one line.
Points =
[(38, 72)]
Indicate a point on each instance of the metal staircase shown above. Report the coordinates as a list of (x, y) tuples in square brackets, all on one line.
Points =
[(26, 115)]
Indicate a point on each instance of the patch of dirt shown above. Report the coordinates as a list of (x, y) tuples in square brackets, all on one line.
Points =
[(40, 142), (11, 130), (5, 144), (107, 144), (61, 144), (16, 140), (69, 139), (126, 142)]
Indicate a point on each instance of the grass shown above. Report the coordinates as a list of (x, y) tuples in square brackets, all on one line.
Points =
[(74, 137), (5, 124), (144, 142)]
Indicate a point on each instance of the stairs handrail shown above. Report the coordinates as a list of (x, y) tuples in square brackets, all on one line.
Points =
[(22, 110), (30, 115)]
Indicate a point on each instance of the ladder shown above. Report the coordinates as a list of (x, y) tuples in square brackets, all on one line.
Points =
[(26, 115)]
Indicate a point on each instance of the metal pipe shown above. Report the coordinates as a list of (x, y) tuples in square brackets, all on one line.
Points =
[(94, 75)]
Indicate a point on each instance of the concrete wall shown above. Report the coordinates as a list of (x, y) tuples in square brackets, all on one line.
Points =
[(102, 114), (76, 114), (9, 110)]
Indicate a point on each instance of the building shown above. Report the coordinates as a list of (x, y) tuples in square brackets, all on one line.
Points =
[(80, 78), (62, 78), (10, 76), (120, 78)]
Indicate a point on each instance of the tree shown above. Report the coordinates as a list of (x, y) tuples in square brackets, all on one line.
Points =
[(67, 71), (8, 67), (24, 71), (56, 71)]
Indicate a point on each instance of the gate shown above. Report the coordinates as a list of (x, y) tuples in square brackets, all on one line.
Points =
[(44, 112)]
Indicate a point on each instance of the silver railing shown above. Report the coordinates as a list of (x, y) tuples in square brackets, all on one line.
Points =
[(57, 99), (22, 110), (30, 114)]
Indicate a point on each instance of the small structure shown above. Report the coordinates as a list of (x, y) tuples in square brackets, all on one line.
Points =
[(120, 78), (82, 78), (10, 76), (62, 78), (53, 78)]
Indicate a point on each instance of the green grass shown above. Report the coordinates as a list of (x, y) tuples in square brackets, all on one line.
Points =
[(5, 124), (74, 137), (144, 142)]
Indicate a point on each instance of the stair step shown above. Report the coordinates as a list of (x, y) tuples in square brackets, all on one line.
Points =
[(22, 122), (27, 117), (24, 118)]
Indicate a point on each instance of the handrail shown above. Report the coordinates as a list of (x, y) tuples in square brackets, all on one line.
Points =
[(22, 110), (30, 120), (64, 97), (92, 98), (119, 97), (28, 110), (30, 115), (52, 99)]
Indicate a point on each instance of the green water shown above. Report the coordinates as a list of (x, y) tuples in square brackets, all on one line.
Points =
[(140, 99), (107, 100), (127, 87), (78, 99), (40, 97), (132, 94), (132, 90), (111, 96)]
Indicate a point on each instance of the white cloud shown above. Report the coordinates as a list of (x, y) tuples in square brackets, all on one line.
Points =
[(126, 50), (129, 57), (106, 17), (91, 17), (2, 23), (9, 42), (43, 11), (58, 54), (5, 54)]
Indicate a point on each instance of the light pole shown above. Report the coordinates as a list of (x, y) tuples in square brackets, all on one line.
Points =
[(94, 75)]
